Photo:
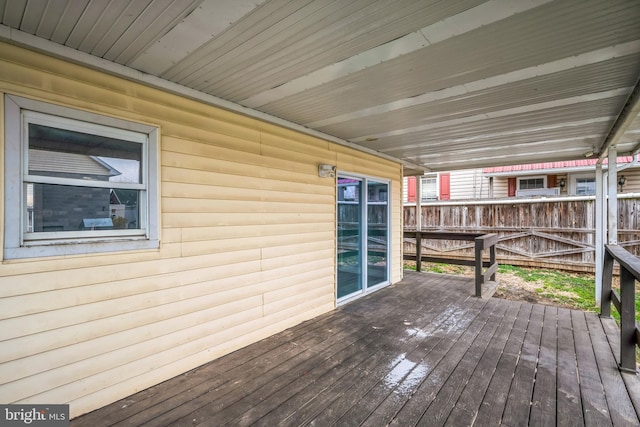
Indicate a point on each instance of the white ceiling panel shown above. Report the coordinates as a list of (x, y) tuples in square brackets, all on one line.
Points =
[(437, 84), (208, 20)]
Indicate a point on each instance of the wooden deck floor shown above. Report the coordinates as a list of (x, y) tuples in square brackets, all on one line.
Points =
[(422, 352)]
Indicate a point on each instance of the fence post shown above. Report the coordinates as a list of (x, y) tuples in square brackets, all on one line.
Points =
[(418, 251), (479, 276), (627, 321), (492, 259), (607, 275)]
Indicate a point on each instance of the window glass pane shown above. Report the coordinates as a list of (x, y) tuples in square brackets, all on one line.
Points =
[(349, 236), (377, 232), (585, 186), (68, 208), (65, 153), (531, 183), (429, 188)]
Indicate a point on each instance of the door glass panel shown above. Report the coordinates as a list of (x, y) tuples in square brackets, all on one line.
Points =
[(377, 232), (349, 236)]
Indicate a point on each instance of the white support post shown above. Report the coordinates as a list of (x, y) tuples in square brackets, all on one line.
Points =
[(612, 211), (601, 232), (419, 202)]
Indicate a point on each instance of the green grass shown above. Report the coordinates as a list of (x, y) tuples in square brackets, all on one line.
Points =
[(558, 287), (575, 290)]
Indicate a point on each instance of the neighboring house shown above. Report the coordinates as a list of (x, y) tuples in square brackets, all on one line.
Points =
[(52, 207), (568, 178)]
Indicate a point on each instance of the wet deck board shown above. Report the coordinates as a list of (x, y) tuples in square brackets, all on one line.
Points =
[(421, 352)]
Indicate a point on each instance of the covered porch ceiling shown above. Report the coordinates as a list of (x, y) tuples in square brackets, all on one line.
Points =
[(440, 85)]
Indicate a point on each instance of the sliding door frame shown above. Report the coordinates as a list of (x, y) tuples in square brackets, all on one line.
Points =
[(364, 235)]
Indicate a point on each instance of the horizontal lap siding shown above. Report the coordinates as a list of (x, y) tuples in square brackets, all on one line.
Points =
[(248, 248)]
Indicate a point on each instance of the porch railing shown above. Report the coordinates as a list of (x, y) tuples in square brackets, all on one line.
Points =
[(623, 302), (482, 242)]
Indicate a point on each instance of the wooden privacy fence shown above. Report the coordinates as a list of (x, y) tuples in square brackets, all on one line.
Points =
[(555, 233)]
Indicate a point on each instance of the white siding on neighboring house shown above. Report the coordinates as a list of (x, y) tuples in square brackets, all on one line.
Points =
[(464, 184), (469, 184)]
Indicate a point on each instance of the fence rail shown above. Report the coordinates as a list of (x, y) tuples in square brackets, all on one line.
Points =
[(555, 233), (481, 243), (623, 302)]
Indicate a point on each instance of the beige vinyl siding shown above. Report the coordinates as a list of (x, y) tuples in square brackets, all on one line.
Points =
[(468, 184), (247, 248), (500, 187), (632, 184)]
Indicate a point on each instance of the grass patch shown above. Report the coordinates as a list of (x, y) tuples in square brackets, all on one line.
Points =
[(549, 287), (567, 289)]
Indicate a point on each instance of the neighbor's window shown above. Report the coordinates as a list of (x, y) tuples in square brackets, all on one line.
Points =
[(583, 185), (531, 183), (84, 186), (429, 188)]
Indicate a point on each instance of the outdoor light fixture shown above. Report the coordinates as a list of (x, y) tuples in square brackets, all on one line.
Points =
[(326, 171), (621, 181), (562, 183)]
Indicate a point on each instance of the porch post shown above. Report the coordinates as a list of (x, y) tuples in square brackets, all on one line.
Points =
[(600, 230), (612, 211), (418, 202), (418, 223)]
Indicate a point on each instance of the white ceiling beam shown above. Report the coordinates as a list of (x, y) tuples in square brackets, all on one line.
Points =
[(564, 64), (511, 133), (435, 149), (482, 15), (502, 157), (495, 114), (629, 113)]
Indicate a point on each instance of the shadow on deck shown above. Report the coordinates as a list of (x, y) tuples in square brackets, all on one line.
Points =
[(424, 351)]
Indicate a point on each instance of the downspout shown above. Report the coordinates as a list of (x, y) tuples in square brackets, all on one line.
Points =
[(612, 205)]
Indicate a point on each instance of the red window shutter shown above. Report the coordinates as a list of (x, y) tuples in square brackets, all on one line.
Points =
[(512, 187), (411, 189), (445, 186)]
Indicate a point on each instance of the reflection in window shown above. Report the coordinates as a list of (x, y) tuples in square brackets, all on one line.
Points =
[(531, 183), (585, 186), (429, 188), (81, 177)]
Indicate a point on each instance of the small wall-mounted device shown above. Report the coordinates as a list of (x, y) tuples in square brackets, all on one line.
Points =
[(326, 171)]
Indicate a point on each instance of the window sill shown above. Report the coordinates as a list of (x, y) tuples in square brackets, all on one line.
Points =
[(79, 248)]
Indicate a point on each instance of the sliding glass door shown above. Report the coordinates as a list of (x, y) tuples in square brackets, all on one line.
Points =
[(377, 233), (363, 235), (349, 236)]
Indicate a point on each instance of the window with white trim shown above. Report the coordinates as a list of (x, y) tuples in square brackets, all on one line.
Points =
[(429, 187), (532, 183), (77, 182), (582, 184)]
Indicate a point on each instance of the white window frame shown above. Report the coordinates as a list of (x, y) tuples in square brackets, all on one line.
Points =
[(544, 181), (423, 187), (573, 185), (19, 242)]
